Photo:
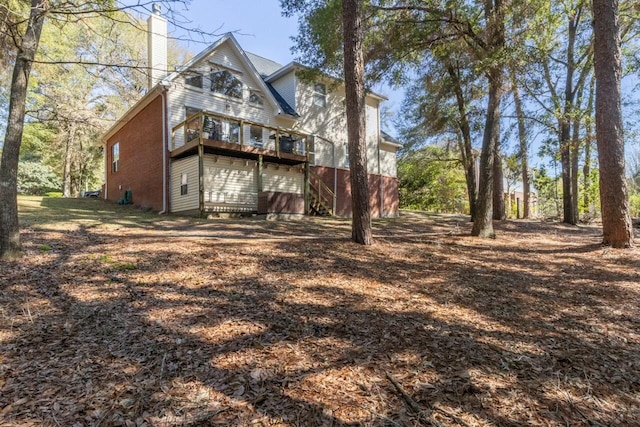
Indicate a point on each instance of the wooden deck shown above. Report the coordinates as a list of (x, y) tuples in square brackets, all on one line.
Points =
[(233, 149)]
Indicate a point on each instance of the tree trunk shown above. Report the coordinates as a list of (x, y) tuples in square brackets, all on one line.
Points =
[(361, 231), (586, 169), (614, 200), (483, 225), (524, 147), (499, 211), (575, 157), (565, 125), (9, 227), (68, 154), (466, 150)]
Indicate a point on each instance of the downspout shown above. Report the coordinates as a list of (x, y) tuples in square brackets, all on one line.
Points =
[(335, 176), (106, 170), (165, 147), (381, 184)]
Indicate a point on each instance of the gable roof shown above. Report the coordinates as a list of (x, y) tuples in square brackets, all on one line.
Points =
[(265, 66), (294, 66), (389, 140), (269, 92)]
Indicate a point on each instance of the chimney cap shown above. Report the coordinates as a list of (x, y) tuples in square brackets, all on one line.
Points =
[(156, 8)]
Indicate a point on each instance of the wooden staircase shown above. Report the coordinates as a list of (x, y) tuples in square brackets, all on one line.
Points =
[(321, 198)]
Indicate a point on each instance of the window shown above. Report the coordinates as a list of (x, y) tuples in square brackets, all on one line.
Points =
[(255, 136), (184, 184), (226, 83), (234, 132), (346, 155), (115, 157), (255, 98), (320, 95), (194, 80)]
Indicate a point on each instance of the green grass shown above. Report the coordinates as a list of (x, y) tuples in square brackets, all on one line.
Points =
[(57, 213)]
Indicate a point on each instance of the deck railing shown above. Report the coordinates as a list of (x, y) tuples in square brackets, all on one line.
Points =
[(211, 126)]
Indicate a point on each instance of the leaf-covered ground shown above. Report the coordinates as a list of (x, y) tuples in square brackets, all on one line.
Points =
[(114, 317)]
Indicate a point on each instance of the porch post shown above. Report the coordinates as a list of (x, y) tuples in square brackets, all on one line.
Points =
[(260, 169), (201, 178), (307, 188)]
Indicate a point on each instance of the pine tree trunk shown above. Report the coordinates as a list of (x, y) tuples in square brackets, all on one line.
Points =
[(614, 200), (9, 226), (361, 231), (466, 149), (586, 169), (524, 148), (575, 157), (483, 225), (68, 153), (565, 127), (499, 211)]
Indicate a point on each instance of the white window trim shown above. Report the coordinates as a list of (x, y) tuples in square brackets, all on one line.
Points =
[(115, 164), (347, 162), (260, 94), (224, 95), (194, 74), (324, 95)]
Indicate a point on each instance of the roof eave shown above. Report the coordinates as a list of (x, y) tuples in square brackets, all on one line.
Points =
[(133, 111), (292, 66)]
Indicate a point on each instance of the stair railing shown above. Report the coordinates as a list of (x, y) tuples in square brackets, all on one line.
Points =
[(321, 192)]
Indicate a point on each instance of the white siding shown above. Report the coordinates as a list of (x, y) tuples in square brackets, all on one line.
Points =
[(230, 181), (284, 179), (388, 161), (372, 136), (323, 152), (286, 87), (190, 200), (224, 57), (330, 123)]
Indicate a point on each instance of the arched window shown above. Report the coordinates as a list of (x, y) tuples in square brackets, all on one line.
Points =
[(226, 83)]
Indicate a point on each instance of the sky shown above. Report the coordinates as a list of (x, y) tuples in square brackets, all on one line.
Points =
[(260, 28)]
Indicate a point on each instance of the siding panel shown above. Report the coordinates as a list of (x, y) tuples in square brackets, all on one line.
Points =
[(190, 200), (283, 179), (388, 164), (229, 181), (286, 87)]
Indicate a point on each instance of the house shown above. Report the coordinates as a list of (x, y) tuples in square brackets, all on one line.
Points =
[(230, 131)]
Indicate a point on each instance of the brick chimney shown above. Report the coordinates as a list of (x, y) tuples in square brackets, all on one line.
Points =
[(157, 46)]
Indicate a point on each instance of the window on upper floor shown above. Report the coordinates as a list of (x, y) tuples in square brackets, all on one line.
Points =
[(115, 157), (194, 80), (346, 155), (225, 83), (320, 95), (255, 97)]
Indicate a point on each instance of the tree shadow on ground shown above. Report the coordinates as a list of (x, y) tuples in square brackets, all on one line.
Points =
[(303, 331)]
